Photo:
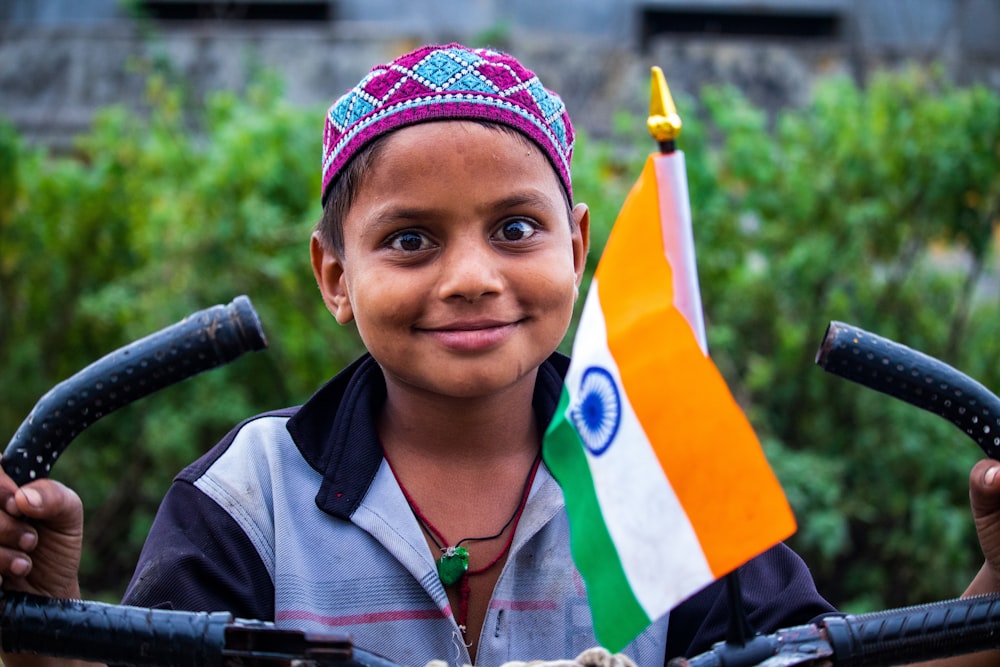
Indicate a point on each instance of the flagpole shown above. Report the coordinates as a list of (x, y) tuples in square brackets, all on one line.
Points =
[(664, 125)]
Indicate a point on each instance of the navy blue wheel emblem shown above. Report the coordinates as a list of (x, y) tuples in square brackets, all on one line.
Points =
[(598, 413)]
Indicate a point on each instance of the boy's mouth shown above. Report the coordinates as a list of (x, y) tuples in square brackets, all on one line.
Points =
[(471, 325), (472, 335)]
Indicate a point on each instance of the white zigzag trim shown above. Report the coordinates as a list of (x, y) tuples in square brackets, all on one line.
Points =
[(420, 101)]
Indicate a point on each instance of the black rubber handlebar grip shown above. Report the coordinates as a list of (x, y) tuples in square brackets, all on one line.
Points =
[(138, 637), (203, 340), (921, 380), (879, 639), (914, 634), (113, 634)]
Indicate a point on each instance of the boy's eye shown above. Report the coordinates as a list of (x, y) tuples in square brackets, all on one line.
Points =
[(408, 242), (516, 230)]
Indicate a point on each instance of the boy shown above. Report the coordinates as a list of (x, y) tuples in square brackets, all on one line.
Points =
[(405, 502)]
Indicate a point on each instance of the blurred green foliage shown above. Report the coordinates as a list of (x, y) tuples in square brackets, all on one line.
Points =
[(876, 206)]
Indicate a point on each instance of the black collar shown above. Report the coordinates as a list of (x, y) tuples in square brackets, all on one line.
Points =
[(335, 429)]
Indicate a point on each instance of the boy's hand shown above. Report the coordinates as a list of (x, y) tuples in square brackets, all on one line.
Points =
[(984, 494), (41, 533)]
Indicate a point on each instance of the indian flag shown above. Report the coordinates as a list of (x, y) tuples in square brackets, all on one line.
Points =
[(666, 486)]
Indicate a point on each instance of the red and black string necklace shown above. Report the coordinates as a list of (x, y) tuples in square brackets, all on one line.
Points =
[(453, 565)]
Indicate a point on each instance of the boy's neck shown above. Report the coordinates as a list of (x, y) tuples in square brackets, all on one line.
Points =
[(460, 432), (465, 465)]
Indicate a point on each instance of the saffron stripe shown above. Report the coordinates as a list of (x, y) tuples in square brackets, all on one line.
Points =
[(660, 362)]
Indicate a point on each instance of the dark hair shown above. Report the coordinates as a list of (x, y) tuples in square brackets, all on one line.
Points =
[(340, 196), (344, 188)]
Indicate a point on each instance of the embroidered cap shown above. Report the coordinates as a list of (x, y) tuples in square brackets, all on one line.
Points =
[(450, 82)]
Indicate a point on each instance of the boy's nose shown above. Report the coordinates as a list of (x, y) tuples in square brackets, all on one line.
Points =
[(470, 271)]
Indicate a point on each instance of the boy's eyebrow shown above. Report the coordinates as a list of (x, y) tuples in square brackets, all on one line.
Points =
[(528, 198)]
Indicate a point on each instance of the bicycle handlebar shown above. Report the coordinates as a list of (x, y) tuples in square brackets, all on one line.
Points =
[(921, 380), (203, 340), (140, 637), (912, 634)]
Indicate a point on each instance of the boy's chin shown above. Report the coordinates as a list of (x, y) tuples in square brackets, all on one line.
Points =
[(473, 384)]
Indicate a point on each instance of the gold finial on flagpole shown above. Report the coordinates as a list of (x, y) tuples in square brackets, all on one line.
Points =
[(663, 123)]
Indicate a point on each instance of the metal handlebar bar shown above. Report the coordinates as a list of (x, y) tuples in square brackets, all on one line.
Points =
[(139, 637)]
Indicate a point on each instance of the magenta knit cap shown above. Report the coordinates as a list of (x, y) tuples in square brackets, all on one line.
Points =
[(449, 82)]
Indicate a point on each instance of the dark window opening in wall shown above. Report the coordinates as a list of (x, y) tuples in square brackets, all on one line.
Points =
[(737, 23), (247, 10)]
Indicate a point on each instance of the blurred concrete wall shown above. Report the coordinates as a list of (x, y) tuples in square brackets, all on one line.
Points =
[(62, 59)]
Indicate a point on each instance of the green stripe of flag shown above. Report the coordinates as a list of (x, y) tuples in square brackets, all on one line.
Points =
[(593, 549)]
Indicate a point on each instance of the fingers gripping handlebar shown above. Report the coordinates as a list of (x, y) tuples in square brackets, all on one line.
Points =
[(201, 341)]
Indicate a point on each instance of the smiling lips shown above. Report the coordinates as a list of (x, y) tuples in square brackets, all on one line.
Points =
[(472, 336)]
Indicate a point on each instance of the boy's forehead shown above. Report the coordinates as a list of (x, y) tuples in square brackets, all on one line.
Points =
[(503, 164), (470, 138)]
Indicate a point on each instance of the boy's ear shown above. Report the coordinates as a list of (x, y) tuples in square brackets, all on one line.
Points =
[(329, 271), (581, 239)]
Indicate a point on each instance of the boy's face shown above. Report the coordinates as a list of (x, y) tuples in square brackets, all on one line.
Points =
[(460, 266)]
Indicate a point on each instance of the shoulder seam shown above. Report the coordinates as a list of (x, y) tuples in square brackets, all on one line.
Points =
[(195, 470)]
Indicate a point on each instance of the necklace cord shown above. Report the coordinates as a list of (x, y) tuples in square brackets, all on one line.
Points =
[(439, 540)]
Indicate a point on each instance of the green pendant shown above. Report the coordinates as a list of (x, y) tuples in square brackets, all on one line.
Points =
[(453, 564)]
